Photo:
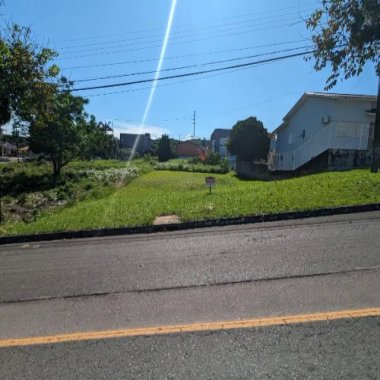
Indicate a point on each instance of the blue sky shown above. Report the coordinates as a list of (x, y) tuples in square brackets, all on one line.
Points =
[(118, 37)]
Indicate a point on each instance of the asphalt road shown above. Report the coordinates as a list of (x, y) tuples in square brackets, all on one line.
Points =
[(272, 269), (346, 349)]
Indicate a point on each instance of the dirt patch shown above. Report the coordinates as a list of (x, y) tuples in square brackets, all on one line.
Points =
[(167, 219)]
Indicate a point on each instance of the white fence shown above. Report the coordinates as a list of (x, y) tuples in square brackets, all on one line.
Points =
[(336, 135)]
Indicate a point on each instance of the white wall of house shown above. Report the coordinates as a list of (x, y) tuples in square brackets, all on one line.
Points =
[(304, 135), (309, 116)]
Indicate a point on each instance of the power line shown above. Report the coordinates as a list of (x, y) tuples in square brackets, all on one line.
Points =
[(181, 56), (190, 74), (175, 43), (64, 53), (191, 66), (175, 83), (184, 25), (173, 34), (268, 100), (185, 81)]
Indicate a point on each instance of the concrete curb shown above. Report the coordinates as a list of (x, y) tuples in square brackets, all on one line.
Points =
[(190, 225)]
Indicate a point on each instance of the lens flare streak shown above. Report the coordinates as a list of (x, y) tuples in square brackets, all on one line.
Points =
[(156, 76)]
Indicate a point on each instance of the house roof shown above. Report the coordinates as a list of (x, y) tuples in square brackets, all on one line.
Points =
[(221, 132), (187, 142), (325, 95)]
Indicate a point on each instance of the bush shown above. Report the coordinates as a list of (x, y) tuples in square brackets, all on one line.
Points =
[(213, 159), (111, 176), (149, 158), (195, 160), (220, 169)]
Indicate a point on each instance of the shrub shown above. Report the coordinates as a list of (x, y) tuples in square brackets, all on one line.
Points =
[(212, 159), (110, 176), (195, 160), (221, 169)]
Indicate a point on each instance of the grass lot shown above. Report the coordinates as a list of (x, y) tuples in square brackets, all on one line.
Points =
[(29, 189), (162, 192)]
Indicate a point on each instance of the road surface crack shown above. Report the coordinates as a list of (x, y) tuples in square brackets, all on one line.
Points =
[(186, 287)]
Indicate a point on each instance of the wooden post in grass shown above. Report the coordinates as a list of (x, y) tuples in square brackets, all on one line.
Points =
[(210, 182)]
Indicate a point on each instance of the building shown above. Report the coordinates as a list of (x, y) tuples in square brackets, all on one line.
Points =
[(8, 149), (188, 149), (219, 140), (128, 140), (332, 131)]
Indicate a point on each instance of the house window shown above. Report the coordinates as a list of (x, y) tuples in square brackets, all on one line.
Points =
[(290, 139), (348, 129)]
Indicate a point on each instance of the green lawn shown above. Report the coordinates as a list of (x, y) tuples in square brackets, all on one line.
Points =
[(162, 192), (28, 189)]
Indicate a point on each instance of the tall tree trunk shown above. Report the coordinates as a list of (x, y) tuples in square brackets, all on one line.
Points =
[(375, 164), (56, 167)]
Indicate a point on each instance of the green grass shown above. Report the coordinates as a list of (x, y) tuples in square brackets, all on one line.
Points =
[(161, 193), (29, 189)]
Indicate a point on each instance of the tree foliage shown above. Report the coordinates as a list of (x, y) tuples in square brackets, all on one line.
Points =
[(26, 79), (249, 140), (58, 134), (164, 151), (346, 35), (98, 140)]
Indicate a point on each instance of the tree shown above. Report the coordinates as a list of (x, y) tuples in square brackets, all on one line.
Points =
[(19, 134), (26, 81), (98, 140), (58, 134), (164, 151), (346, 35), (249, 140)]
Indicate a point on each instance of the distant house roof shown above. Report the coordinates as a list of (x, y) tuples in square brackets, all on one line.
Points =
[(325, 95), (188, 149), (220, 132), (187, 142)]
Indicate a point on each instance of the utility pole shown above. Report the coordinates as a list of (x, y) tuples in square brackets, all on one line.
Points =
[(194, 125), (375, 164)]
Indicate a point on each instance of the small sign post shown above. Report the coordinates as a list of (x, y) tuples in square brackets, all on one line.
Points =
[(210, 182)]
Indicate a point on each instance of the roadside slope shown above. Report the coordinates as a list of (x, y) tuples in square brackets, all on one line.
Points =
[(184, 194)]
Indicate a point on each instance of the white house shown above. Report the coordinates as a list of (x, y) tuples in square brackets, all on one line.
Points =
[(337, 127)]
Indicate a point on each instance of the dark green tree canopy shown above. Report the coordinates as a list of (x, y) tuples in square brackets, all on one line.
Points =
[(26, 79), (249, 140), (98, 140), (164, 151), (58, 134), (346, 35)]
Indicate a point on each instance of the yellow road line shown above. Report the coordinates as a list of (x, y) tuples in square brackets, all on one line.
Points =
[(206, 326)]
